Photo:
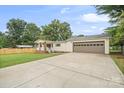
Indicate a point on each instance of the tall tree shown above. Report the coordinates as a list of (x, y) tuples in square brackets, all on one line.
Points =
[(120, 31), (31, 34), (116, 13), (56, 31), (16, 27)]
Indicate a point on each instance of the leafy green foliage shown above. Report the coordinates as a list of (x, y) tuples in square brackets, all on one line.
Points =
[(112, 32), (3, 40), (31, 34), (56, 31), (116, 13), (20, 32), (16, 27), (113, 11)]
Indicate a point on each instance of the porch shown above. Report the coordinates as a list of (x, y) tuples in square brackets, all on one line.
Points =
[(44, 46)]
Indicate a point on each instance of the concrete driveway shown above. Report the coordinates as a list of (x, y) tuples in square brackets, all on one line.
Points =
[(67, 70)]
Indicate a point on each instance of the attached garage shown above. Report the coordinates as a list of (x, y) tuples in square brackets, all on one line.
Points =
[(89, 47)]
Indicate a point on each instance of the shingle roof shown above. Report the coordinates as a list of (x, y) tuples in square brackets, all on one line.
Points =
[(89, 37), (42, 41), (75, 38), (59, 41)]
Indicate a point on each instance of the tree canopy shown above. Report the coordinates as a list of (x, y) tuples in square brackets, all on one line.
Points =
[(20, 32), (3, 40), (16, 27), (116, 14), (56, 31), (31, 34), (113, 11)]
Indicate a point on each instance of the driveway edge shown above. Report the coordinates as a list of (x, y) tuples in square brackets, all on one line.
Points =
[(118, 69)]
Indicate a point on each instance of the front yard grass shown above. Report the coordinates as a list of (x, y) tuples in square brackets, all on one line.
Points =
[(119, 60), (13, 59)]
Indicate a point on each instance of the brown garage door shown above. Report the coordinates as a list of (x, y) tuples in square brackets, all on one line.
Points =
[(89, 47)]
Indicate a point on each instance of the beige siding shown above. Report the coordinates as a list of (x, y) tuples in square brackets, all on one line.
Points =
[(64, 47), (107, 46), (68, 46)]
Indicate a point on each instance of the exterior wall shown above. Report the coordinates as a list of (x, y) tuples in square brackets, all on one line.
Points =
[(60, 48), (107, 46), (68, 46), (64, 47)]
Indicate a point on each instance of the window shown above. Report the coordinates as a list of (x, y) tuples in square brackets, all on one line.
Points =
[(58, 45), (82, 44), (101, 44), (90, 44), (94, 44), (97, 44)]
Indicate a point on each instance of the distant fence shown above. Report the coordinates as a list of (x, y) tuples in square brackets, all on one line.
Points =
[(17, 50)]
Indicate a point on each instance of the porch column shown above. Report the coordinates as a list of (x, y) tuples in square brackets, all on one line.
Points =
[(44, 46), (40, 46)]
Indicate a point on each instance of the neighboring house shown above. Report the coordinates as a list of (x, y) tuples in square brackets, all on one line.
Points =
[(86, 44), (24, 46)]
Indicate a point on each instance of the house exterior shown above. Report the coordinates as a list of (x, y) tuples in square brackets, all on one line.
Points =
[(86, 44)]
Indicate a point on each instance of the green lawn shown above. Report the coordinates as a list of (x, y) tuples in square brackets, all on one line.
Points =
[(119, 60), (13, 59)]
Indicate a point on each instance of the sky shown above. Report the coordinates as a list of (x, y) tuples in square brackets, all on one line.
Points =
[(82, 19)]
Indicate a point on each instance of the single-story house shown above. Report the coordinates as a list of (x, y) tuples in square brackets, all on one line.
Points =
[(86, 44)]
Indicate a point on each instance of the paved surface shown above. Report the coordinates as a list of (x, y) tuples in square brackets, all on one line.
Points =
[(67, 70)]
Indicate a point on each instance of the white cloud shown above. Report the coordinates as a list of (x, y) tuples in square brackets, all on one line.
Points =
[(101, 28), (93, 27), (65, 10), (94, 18)]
